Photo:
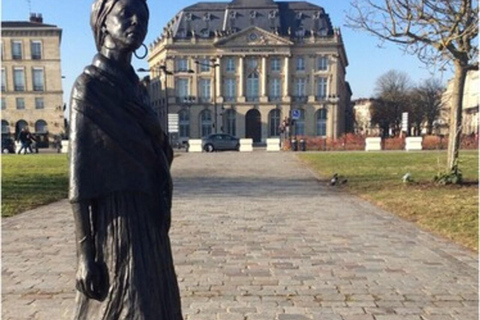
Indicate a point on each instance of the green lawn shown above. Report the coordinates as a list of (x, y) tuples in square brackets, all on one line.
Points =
[(31, 180), (450, 211)]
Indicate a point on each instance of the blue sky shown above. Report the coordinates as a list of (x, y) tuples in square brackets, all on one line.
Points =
[(367, 60)]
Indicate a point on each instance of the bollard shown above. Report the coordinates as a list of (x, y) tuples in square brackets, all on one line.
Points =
[(303, 145), (294, 145)]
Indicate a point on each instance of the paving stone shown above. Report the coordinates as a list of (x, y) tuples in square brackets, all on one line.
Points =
[(257, 236)]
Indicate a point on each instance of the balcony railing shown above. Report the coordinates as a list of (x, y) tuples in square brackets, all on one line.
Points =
[(204, 99), (320, 97), (19, 88), (38, 88), (230, 99), (16, 56), (275, 98), (252, 99), (300, 98), (186, 99), (36, 56)]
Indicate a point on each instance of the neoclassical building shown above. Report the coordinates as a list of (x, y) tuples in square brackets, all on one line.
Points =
[(243, 67), (32, 94)]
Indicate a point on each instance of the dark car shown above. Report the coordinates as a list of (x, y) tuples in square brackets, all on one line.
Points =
[(8, 145), (220, 141)]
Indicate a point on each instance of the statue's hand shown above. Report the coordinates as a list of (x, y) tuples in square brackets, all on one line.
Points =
[(91, 280)]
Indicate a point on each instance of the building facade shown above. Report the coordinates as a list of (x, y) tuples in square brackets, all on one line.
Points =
[(470, 106), (32, 94), (246, 67)]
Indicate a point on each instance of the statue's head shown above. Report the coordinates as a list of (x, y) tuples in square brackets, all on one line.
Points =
[(119, 24)]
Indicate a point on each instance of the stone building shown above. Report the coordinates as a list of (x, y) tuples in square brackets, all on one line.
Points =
[(471, 99), (32, 94), (363, 118), (243, 67)]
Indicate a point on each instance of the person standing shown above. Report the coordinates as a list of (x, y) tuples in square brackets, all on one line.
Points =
[(23, 139)]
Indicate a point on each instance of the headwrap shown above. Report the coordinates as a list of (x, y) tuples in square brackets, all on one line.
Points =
[(100, 11)]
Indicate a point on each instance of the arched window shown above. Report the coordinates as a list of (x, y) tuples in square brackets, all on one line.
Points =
[(5, 127), (252, 87), (274, 123), (206, 122), (321, 122), (300, 124), (205, 33), (231, 118), (184, 124), (41, 126), (19, 126)]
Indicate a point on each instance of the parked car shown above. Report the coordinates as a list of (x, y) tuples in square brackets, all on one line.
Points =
[(8, 145), (220, 141)]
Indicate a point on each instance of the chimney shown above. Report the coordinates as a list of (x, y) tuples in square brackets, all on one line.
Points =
[(36, 18)]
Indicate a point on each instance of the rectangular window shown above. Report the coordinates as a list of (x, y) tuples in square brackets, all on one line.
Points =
[(38, 84), (205, 88), (39, 103), (16, 50), (321, 87), (4, 104), (275, 64), (36, 48), (20, 103), (300, 87), (230, 65), (182, 65), (1, 49), (204, 65), (230, 89), (4, 80), (322, 63), (19, 79), (182, 88), (300, 64), (275, 88)]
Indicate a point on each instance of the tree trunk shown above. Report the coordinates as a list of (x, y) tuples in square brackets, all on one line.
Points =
[(455, 130)]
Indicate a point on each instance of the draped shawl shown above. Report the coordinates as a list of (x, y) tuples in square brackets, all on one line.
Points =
[(116, 142)]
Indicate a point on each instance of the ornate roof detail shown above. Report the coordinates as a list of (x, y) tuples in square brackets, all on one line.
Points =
[(283, 18)]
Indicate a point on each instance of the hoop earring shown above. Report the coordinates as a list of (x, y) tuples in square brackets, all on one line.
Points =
[(142, 57)]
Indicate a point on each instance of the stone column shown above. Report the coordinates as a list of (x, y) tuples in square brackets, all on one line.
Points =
[(263, 93), (286, 82), (218, 71), (241, 92)]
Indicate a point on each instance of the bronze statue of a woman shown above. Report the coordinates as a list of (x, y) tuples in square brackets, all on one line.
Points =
[(120, 184)]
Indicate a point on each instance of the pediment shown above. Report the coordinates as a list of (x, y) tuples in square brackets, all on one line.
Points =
[(253, 36)]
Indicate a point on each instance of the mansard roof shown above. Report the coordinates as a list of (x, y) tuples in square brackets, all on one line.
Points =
[(285, 18)]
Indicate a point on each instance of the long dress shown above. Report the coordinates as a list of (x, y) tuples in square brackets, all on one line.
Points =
[(120, 163)]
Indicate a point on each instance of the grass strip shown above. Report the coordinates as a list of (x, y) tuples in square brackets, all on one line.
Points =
[(449, 211), (32, 180)]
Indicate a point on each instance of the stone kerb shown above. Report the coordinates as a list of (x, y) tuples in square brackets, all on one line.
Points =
[(194, 145), (246, 145), (413, 143), (373, 144), (273, 144)]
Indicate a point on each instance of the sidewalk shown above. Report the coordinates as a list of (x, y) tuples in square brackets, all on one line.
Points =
[(256, 237)]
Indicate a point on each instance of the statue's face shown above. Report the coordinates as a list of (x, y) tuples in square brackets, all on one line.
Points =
[(127, 24)]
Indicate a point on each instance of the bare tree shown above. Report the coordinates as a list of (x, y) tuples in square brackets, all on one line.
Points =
[(437, 31), (392, 89), (429, 95)]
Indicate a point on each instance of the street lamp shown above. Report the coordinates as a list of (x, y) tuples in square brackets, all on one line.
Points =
[(213, 65), (163, 68)]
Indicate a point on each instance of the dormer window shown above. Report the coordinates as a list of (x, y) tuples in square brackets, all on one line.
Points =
[(181, 33), (317, 15), (299, 16), (300, 32), (253, 14), (273, 14), (207, 16), (189, 16), (205, 33), (233, 15), (322, 32)]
